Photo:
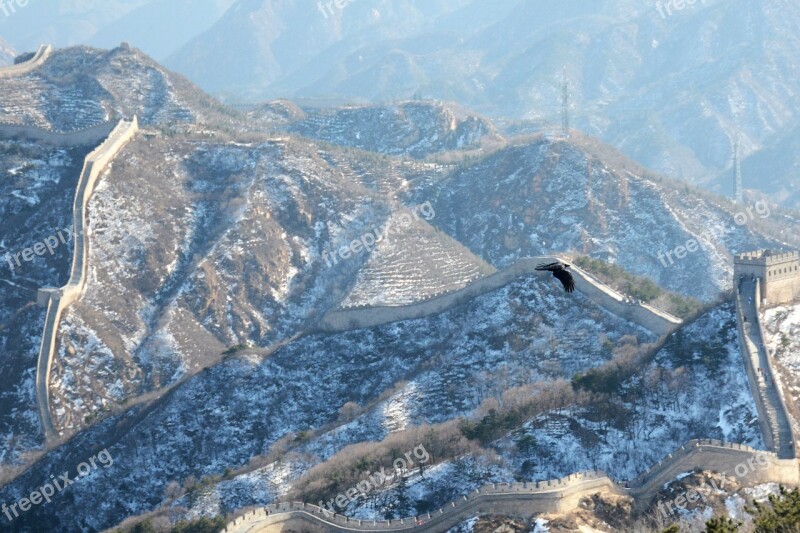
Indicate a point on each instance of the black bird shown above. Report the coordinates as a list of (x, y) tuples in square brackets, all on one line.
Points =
[(560, 271)]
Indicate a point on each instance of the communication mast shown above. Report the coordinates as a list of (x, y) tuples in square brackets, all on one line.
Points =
[(738, 191)]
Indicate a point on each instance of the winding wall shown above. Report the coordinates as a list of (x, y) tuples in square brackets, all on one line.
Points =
[(58, 299), (657, 321), (527, 499), (773, 416), (25, 67)]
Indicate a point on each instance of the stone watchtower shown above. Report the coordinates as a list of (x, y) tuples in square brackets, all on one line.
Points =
[(779, 273)]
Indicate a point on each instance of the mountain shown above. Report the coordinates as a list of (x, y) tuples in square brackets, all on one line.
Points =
[(159, 27), (154, 27), (674, 92), (81, 87), (65, 24), (541, 197), (196, 356), (418, 129), (266, 40)]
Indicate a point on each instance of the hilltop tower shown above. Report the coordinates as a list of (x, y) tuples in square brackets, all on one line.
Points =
[(565, 105), (778, 272), (738, 192)]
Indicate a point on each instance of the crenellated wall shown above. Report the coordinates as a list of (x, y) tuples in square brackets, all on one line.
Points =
[(25, 67), (657, 321), (773, 415), (58, 299), (750, 466)]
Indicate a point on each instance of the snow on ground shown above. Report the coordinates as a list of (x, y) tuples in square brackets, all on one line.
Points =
[(782, 328), (411, 262)]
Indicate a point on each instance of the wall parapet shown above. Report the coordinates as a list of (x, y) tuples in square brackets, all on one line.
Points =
[(559, 495), (773, 414), (25, 67), (650, 318), (58, 299)]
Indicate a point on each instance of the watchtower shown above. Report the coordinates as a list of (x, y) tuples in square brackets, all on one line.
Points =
[(778, 271)]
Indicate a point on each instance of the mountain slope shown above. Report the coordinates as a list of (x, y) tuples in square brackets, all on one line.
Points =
[(37, 186), (81, 87), (418, 129), (153, 27), (539, 197), (674, 92), (430, 370)]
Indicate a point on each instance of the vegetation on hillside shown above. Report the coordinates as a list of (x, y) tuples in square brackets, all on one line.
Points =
[(639, 288)]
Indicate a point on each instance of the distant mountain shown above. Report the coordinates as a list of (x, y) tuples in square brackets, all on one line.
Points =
[(258, 43), (673, 91), (63, 23), (159, 28), (195, 353), (417, 129), (79, 87)]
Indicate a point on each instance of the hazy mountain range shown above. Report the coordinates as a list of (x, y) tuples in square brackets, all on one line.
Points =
[(674, 93), (194, 354), (673, 90), (275, 134)]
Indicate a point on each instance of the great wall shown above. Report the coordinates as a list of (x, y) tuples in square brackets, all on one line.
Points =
[(779, 463), (56, 300), (527, 499), (650, 318), (31, 64)]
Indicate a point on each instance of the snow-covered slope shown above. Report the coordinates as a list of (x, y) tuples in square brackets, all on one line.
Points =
[(541, 197), (411, 262), (430, 370), (37, 185), (417, 129), (79, 87)]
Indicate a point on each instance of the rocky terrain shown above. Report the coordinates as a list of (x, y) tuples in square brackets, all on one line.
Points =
[(194, 356), (673, 89)]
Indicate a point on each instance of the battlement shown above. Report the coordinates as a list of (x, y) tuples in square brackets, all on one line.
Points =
[(779, 272), (766, 257)]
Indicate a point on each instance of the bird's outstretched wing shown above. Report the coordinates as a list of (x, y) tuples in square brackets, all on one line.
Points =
[(549, 266), (565, 278)]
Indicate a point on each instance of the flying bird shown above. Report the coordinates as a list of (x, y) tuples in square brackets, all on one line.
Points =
[(560, 272)]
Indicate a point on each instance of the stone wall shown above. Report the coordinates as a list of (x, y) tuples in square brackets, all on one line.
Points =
[(25, 67), (657, 321), (554, 496), (750, 364), (58, 300), (750, 466)]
